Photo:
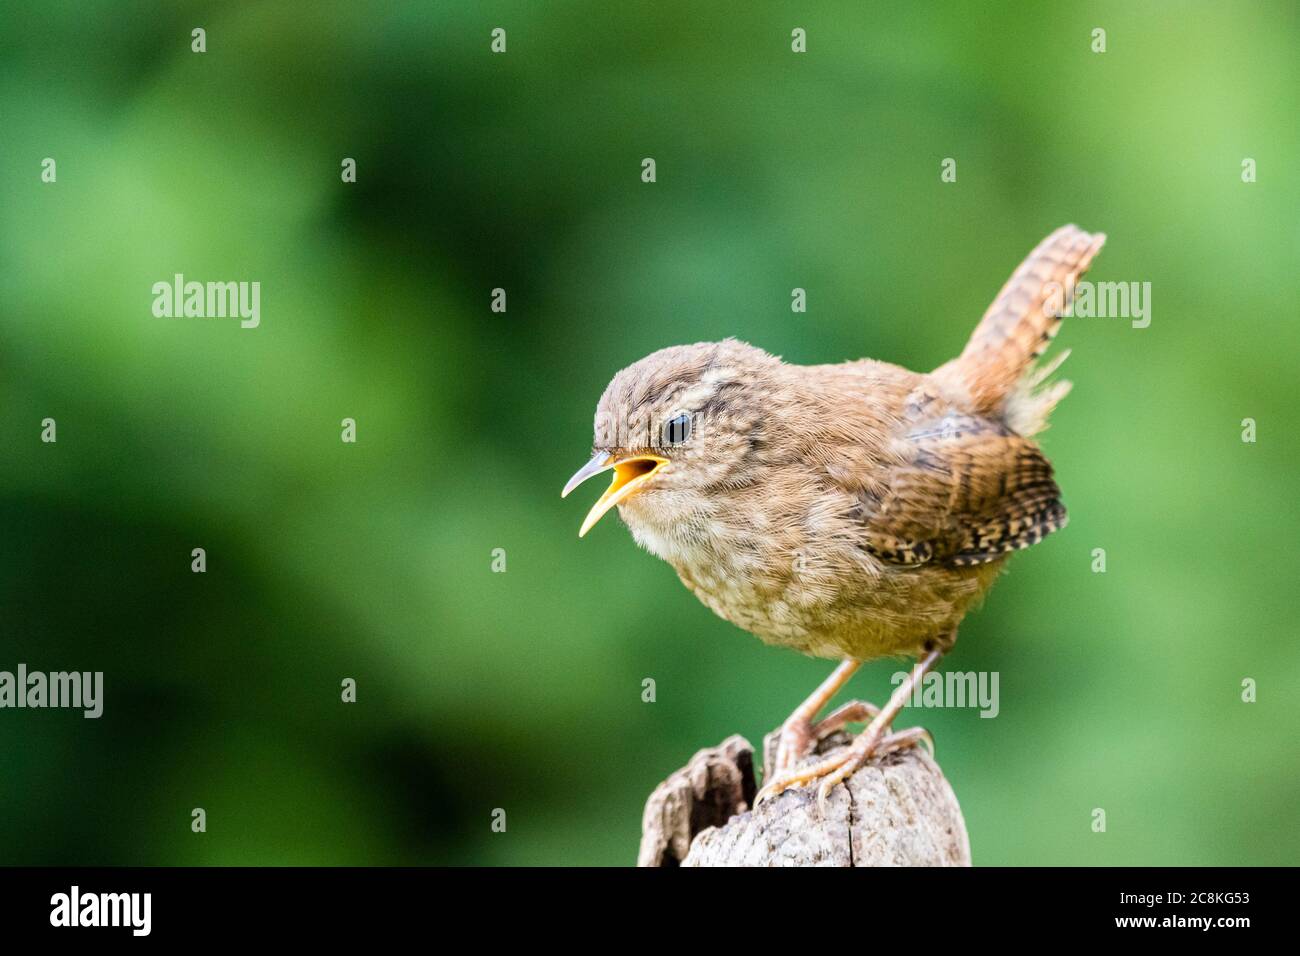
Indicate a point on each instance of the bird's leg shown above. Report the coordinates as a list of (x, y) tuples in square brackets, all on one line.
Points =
[(797, 733), (873, 740)]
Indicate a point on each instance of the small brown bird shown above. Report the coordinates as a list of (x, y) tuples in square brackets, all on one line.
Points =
[(850, 511)]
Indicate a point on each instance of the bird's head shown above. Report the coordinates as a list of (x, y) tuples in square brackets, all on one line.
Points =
[(677, 424)]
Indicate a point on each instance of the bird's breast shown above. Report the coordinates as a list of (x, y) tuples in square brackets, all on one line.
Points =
[(747, 567), (800, 578)]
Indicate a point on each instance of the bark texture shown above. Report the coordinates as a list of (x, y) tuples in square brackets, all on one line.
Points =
[(898, 810)]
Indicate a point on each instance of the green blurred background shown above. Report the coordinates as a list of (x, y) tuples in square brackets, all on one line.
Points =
[(522, 690)]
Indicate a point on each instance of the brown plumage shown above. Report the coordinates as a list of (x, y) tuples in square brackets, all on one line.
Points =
[(847, 511)]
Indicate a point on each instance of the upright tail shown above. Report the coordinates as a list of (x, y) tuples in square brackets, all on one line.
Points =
[(994, 369)]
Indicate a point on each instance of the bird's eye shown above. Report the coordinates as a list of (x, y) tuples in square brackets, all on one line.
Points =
[(677, 430)]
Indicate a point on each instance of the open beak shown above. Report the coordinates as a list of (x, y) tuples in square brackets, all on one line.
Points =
[(629, 475)]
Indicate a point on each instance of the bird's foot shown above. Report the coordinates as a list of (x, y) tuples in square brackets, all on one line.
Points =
[(800, 736), (872, 742)]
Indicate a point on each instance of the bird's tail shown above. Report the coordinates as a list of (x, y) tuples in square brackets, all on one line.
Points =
[(995, 367)]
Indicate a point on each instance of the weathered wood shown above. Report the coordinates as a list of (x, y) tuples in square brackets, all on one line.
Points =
[(897, 810)]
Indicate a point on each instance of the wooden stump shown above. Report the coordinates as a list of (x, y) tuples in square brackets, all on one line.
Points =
[(897, 810)]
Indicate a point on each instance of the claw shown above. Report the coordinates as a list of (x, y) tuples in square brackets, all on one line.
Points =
[(823, 795), (904, 739), (795, 778), (846, 769), (835, 770)]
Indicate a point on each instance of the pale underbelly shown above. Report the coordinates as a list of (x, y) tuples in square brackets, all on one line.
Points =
[(844, 602), (895, 613)]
